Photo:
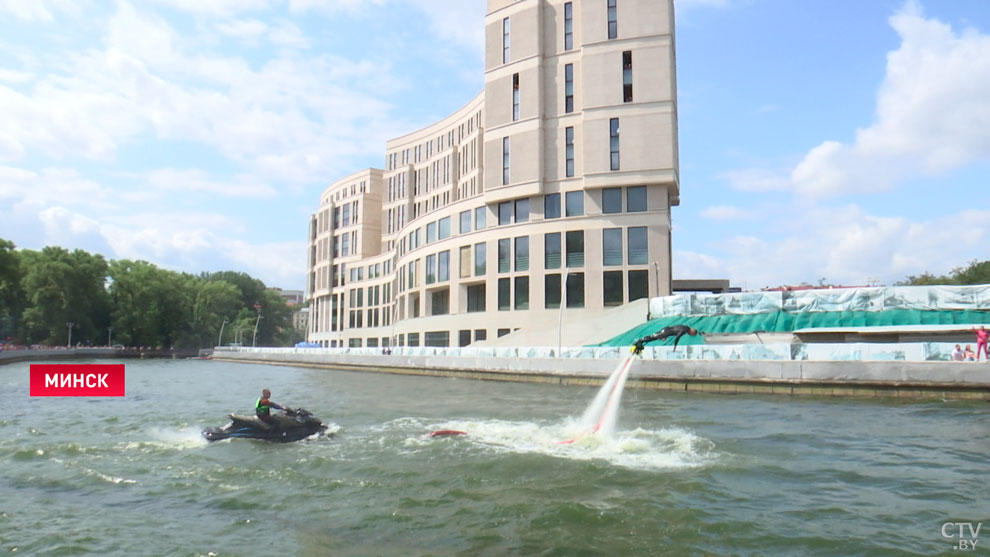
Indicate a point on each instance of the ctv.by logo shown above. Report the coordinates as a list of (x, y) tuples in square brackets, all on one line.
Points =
[(965, 534)]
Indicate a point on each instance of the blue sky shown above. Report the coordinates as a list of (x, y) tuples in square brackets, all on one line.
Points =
[(823, 139)]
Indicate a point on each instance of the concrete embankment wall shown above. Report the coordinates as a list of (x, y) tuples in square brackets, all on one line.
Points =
[(48, 354), (940, 380)]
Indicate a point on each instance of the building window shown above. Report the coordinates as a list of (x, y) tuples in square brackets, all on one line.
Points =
[(504, 213), (568, 26), (479, 218), (443, 266), (504, 296), (431, 269), (636, 199), (627, 76), (505, 161), (515, 97), (639, 285), (465, 222), (465, 266), (638, 248), (612, 288), (612, 246), (413, 339), (504, 255), (575, 248), (436, 338), (551, 251), (522, 210), (568, 88), (480, 334), (611, 200), (613, 30), (431, 232), (569, 151), (551, 291), (476, 298), (551, 206), (574, 203), (522, 293), (464, 337), (613, 132), (502, 332), (440, 302), (522, 253), (479, 259), (505, 39), (443, 226), (575, 290)]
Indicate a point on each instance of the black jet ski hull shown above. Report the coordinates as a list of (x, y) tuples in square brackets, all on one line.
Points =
[(291, 426)]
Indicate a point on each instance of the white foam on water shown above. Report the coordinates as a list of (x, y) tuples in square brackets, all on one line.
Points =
[(166, 438), (641, 449)]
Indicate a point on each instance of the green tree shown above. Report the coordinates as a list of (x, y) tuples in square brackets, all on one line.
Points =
[(151, 306), (213, 301), (62, 288), (976, 272), (11, 292)]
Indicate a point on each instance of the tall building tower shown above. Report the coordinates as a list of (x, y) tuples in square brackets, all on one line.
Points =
[(551, 188)]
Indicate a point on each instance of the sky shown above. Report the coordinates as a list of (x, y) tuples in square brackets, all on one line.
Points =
[(821, 141)]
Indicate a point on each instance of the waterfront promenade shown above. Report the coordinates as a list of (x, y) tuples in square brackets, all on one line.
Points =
[(902, 379)]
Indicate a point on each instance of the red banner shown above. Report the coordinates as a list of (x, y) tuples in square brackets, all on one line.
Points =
[(77, 379)]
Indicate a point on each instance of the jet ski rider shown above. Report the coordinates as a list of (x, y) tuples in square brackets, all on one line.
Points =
[(263, 407)]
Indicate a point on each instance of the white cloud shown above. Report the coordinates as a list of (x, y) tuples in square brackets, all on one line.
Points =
[(932, 114), (196, 180), (38, 10), (844, 245), (726, 212), (248, 29)]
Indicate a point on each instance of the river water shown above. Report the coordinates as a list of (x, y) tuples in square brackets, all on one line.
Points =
[(681, 474)]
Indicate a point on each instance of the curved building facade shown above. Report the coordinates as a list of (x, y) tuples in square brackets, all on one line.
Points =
[(545, 198)]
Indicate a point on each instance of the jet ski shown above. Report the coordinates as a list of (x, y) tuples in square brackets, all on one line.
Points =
[(290, 425)]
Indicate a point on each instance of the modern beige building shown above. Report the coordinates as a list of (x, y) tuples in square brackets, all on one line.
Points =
[(552, 187)]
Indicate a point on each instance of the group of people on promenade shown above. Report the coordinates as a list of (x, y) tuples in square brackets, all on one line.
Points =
[(982, 348)]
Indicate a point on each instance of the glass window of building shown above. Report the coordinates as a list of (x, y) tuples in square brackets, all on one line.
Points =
[(443, 266), (440, 302), (504, 213), (522, 293), (504, 255), (636, 199), (476, 298), (575, 290), (638, 248), (431, 232), (515, 97), (575, 248), (479, 218), (639, 285), (568, 26), (431, 269), (522, 210), (505, 161), (551, 206), (479, 259), (522, 253), (504, 295), (612, 246), (443, 228), (574, 203), (613, 142), (627, 96), (611, 200), (612, 288), (551, 291), (568, 88), (613, 30), (569, 151), (551, 250), (465, 222), (505, 40)]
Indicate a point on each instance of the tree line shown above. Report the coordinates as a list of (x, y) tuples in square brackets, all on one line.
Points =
[(47, 295), (976, 272)]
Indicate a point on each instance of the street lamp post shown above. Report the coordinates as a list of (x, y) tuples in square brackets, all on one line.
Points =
[(69, 325), (109, 336), (256, 321), (560, 315), (222, 325)]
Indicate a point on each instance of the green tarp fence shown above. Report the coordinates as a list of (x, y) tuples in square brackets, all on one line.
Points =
[(782, 322)]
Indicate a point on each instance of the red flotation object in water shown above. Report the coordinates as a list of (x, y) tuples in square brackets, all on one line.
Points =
[(445, 433)]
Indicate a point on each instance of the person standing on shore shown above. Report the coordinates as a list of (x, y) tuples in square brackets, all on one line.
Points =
[(981, 342)]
